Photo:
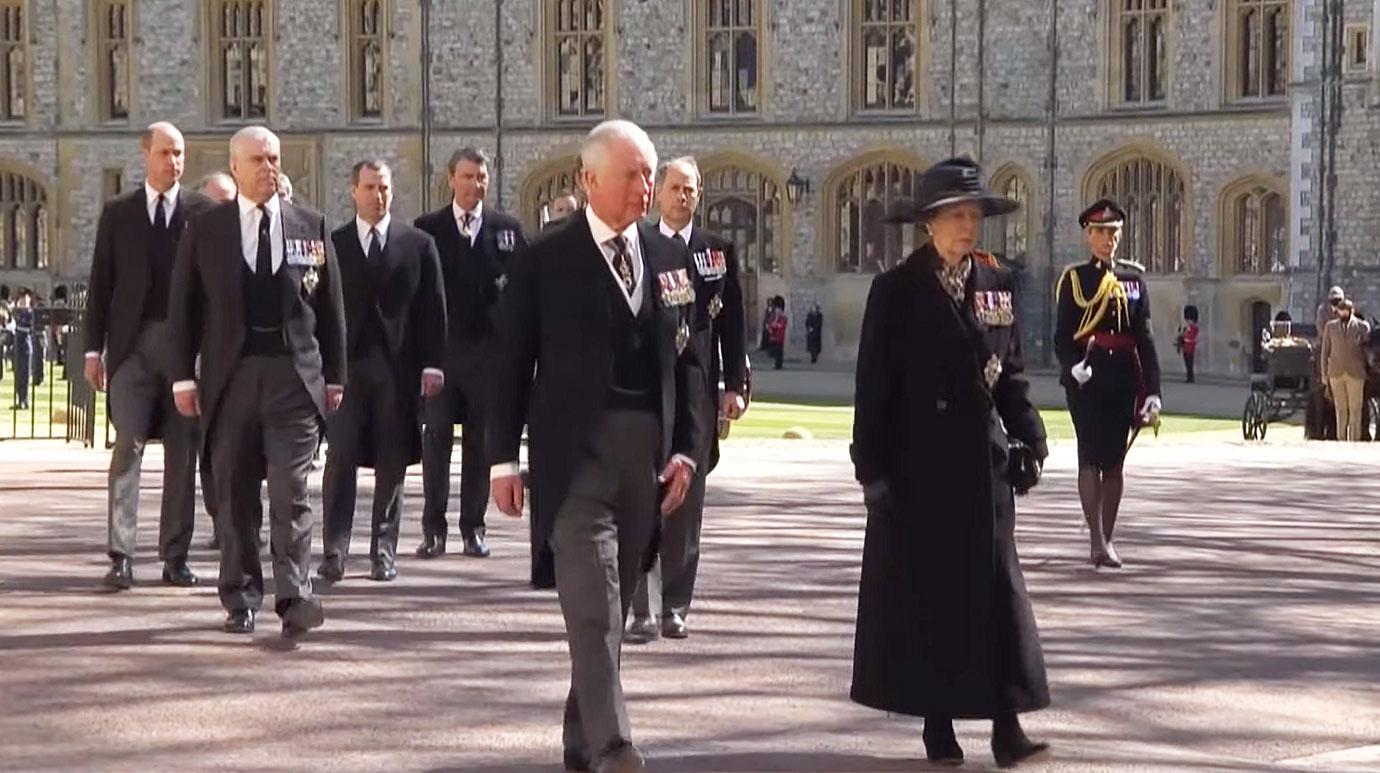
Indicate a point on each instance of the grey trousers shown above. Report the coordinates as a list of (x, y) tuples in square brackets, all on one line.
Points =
[(670, 584), (140, 394), (267, 423), (370, 417), (601, 536)]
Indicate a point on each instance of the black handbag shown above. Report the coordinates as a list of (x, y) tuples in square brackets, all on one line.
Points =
[(1023, 469)]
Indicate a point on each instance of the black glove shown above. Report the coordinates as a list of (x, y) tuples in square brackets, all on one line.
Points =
[(1023, 467), (877, 496)]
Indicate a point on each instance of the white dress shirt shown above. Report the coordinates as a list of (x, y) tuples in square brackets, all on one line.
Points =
[(476, 218), (249, 231), (603, 234), (169, 201), (670, 233), (364, 228)]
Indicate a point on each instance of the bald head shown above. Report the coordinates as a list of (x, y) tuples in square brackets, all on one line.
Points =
[(164, 153), (618, 160), (218, 186), (255, 158)]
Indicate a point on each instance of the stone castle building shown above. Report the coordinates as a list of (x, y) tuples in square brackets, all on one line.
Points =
[(1214, 122)]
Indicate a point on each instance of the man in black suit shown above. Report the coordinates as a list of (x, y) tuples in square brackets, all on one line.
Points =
[(476, 244), (666, 590), (596, 343), (395, 320), (256, 292), (126, 336)]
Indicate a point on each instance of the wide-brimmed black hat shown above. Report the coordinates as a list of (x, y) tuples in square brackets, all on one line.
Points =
[(950, 182)]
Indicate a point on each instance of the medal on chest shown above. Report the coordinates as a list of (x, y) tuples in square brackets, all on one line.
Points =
[(682, 337), (716, 305)]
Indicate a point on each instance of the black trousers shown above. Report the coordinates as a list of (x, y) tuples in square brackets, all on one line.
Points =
[(371, 422), (461, 401), (266, 426), (670, 585), (1188, 365), (602, 534)]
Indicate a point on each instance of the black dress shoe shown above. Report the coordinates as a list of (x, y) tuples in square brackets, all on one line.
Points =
[(474, 545), (673, 626), (941, 745), (1011, 746), (383, 573), (179, 574), (302, 615), (332, 568), (1025, 750), (121, 574), (642, 630), (240, 621), (432, 547), (576, 761), (624, 758)]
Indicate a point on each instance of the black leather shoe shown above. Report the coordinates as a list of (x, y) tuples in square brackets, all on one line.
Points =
[(240, 621), (474, 545), (624, 758), (941, 745), (121, 574), (301, 616), (673, 626), (332, 568), (432, 547), (576, 761), (179, 574), (642, 630), (383, 573), (1024, 750)]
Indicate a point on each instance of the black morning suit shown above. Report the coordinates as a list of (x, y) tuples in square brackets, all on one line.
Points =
[(262, 392), (607, 397), (395, 320), (474, 279)]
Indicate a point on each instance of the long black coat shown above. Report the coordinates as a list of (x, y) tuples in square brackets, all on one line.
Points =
[(409, 301), (944, 626)]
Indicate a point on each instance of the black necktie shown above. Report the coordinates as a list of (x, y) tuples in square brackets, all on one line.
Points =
[(679, 238), (375, 249), (466, 224), (622, 264), (160, 217), (263, 267)]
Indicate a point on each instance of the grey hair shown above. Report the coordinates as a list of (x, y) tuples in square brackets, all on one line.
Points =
[(594, 154), (252, 133), (468, 153), (221, 177)]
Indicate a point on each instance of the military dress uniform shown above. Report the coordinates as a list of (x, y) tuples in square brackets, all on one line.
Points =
[(1106, 349)]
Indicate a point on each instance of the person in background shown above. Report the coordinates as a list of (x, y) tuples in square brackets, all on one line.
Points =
[(814, 333), (1327, 310), (1187, 342), (776, 329), (1343, 360), (217, 186)]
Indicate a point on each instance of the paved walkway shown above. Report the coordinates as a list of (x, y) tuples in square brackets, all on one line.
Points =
[(802, 381), (1242, 636)]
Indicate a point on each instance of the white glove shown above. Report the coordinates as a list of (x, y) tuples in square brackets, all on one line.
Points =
[(1082, 372), (1152, 407)]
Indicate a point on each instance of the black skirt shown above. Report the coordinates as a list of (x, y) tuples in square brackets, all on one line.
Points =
[(1104, 409)]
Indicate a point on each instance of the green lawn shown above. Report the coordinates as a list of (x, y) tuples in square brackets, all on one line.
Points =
[(771, 420), (46, 415)]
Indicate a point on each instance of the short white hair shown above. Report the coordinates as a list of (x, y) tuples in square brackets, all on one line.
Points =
[(594, 154), (252, 133)]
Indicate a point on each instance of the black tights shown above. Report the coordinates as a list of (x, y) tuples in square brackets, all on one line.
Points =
[(1100, 492)]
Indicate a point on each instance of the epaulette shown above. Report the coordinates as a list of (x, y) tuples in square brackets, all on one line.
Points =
[(986, 258), (1130, 264)]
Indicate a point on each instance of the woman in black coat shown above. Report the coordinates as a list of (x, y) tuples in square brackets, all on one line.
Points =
[(945, 630)]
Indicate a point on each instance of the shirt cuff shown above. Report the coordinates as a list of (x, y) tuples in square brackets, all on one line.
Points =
[(686, 460), (434, 372), (504, 470), (89, 355), (184, 386)]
